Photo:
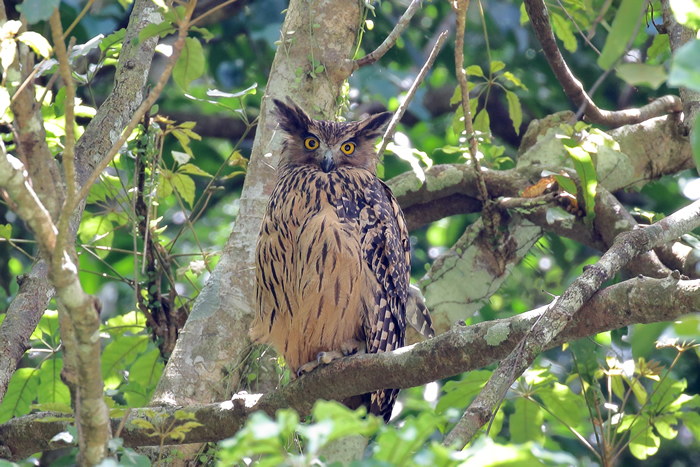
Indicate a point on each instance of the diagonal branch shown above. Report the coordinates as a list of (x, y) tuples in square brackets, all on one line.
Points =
[(461, 349), (537, 12), (627, 246), (389, 41)]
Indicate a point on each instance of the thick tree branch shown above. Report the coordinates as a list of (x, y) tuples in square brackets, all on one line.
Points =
[(132, 70), (463, 348), (627, 246), (15, 180), (537, 12)]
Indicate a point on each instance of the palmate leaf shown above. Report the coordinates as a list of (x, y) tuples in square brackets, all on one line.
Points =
[(21, 391)]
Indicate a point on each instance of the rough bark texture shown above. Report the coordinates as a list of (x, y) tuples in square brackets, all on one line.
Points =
[(205, 365), (35, 294), (462, 348)]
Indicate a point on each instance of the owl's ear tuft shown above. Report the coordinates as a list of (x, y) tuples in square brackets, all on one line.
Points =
[(373, 126), (291, 118)]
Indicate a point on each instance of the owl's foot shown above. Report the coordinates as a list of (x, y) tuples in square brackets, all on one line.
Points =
[(350, 347)]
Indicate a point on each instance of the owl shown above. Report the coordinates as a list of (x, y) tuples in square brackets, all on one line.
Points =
[(333, 253)]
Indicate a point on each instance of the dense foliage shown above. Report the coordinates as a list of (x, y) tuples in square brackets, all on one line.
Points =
[(180, 175)]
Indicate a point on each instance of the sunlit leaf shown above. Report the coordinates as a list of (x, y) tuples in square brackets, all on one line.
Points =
[(37, 42), (563, 28), (184, 185)]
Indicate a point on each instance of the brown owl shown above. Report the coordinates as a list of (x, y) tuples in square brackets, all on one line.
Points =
[(333, 254)]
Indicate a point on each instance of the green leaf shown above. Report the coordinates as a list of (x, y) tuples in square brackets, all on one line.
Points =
[(561, 401), (20, 394), (515, 110), (663, 426), (184, 185), (624, 25), (48, 324), (563, 29), (658, 46), (249, 90), (508, 76), (147, 370), (526, 422), (206, 34), (475, 70), (140, 422), (523, 15), (687, 12), (113, 39), (134, 322), (642, 74), (52, 389), (6, 231), (586, 173), (565, 183), (118, 354), (640, 393), (643, 441), (160, 29), (37, 42), (685, 67), (165, 188), (458, 394), (497, 66), (190, 64), (481, 122), (193, 170), (37, 10)]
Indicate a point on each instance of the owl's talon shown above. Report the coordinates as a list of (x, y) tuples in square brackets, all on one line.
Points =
[(307, 367)]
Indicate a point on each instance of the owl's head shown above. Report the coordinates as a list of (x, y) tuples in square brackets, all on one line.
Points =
[(328, 145)]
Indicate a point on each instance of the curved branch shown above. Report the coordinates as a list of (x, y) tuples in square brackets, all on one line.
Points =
[(463, 348), (558, 316), (537, 12)]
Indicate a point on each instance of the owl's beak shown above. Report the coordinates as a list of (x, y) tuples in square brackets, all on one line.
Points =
[(327, 164)]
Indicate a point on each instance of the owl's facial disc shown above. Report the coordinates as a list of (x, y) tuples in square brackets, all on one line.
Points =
[(327, 164)]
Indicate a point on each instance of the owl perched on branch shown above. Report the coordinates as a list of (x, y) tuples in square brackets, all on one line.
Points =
[(333, 255)]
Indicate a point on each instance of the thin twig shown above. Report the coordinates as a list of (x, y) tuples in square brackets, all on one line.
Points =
[(59, 48), (389, 133), (585, 38), (207, 13), (390, 39), (539, 18), (489, 215)]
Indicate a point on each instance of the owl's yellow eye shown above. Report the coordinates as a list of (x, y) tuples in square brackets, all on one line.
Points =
[(311, 143), (348, 148)]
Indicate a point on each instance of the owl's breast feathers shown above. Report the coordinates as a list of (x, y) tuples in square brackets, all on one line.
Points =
[(333, 264)]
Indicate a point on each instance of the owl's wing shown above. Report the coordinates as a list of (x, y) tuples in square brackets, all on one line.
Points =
[(387, 250)]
